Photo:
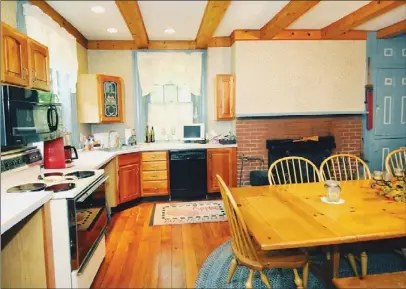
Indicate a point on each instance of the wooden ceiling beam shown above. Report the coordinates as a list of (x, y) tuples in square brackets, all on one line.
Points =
[(213, 14), (224, 41), (132, 16), (285, 17), (364, 14), (393, 30), (51, 12), (132, 45)]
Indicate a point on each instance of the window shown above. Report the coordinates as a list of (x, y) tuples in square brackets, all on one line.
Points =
[(166, 98)]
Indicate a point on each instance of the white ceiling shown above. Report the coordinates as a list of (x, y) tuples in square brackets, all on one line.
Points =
[(248, 15), (94, 26), (385, 20), (185, 17), (325, 13), (182, 16)]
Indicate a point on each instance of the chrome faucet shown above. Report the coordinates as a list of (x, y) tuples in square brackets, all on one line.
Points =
[(115, 142)]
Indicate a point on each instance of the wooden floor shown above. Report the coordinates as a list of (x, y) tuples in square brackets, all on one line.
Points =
[(143, 256)]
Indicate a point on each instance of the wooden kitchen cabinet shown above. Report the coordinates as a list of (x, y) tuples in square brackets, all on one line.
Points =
[(224, 97), (111, 184), (221, 162), (100, 98), (129, 177), (155, 174), (38, 63), (14, 45)]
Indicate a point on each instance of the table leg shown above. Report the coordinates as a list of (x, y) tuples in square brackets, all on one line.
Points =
[(336, 261)]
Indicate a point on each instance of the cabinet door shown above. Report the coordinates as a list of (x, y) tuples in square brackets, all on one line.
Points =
[(111, 102), (221, 162), (14, 56), (129, 182), (225, 100), (38, 60)]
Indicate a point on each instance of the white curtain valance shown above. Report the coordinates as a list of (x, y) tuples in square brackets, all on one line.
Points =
[(160, 68), (61, 44)]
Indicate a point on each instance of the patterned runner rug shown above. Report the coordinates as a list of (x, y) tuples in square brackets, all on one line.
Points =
[(188, 212)]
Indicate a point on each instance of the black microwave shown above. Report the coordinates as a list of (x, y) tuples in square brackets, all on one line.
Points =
[(29, 116)]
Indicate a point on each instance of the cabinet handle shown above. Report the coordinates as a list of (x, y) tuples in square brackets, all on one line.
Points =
[(154, 176), (209, 155), (25, 73)]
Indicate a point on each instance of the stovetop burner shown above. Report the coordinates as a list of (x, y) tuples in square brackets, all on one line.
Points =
[(81, 174), (26, 188), (61, 187)]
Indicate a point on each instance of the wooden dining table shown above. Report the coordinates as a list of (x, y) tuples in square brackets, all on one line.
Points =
[(294, 216)]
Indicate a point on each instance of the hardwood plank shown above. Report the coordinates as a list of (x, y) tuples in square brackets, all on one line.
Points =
[(155, 257), (51, 12), (392, 30), (364, 14), (213, 14), (178, 262), (132, 16), (189, 255), (285, 17), (386, 280), (165, 259)]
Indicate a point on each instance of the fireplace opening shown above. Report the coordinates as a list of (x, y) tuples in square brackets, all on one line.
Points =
[(315, 149)]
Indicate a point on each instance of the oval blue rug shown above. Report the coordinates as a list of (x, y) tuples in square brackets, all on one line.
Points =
[(214, 271)]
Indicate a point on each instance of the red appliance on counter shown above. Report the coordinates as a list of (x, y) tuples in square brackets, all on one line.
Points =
[(54, 154)]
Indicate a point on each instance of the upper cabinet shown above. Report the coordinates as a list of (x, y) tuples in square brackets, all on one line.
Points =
[(25, 62), (38, 61), (100, 98), (224, 97), (14, 46)]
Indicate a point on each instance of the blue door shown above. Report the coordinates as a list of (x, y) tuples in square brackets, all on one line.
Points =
[(388, 58)]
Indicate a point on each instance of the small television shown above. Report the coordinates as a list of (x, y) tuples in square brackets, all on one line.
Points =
[(193, 132)]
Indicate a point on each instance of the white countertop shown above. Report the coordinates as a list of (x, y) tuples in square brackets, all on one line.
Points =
[(17, 206), (97, 158)]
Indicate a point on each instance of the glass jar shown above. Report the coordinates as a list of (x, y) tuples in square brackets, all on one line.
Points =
[(333, 190)]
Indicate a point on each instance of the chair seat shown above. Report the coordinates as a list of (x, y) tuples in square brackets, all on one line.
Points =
[(283, 258)]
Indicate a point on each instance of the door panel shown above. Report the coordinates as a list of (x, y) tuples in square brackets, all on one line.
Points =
[(129, 183), (381, 149), (390, 103), (39, 65), (14, 57)]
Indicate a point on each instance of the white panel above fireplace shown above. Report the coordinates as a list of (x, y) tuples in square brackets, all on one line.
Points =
[(299, 77)]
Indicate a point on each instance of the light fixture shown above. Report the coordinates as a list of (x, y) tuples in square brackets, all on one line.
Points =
[(97, 9), (169, 30), (112, 30)]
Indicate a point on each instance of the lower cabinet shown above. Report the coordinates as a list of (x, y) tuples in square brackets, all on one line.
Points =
[(221, 162), (129, 182), (155, 180)]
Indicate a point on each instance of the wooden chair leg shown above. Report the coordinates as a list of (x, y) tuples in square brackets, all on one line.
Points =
[(265, 279), (231, 272), (298, 280), (248, 284), (305, 274), (353, 264), (364, 264)]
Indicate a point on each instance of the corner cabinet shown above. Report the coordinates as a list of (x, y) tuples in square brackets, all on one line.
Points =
[(224, 97), (129, 177), (14, 46), (100, 98), (25, 62), (221, 162)]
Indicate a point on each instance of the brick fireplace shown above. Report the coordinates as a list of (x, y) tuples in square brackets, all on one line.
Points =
[(253, 133)]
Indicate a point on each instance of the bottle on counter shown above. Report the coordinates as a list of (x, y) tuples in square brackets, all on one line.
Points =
[(147, 135), (152, 134)]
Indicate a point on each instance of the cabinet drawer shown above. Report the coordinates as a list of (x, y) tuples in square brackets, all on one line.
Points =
[(154, 156), (154, 188), (154, 175), (154, 166), (128, 159)]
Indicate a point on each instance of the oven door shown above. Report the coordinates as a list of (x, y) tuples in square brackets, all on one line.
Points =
[(90, 217)]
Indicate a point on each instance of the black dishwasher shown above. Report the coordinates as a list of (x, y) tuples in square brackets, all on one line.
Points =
[(188, 174)]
